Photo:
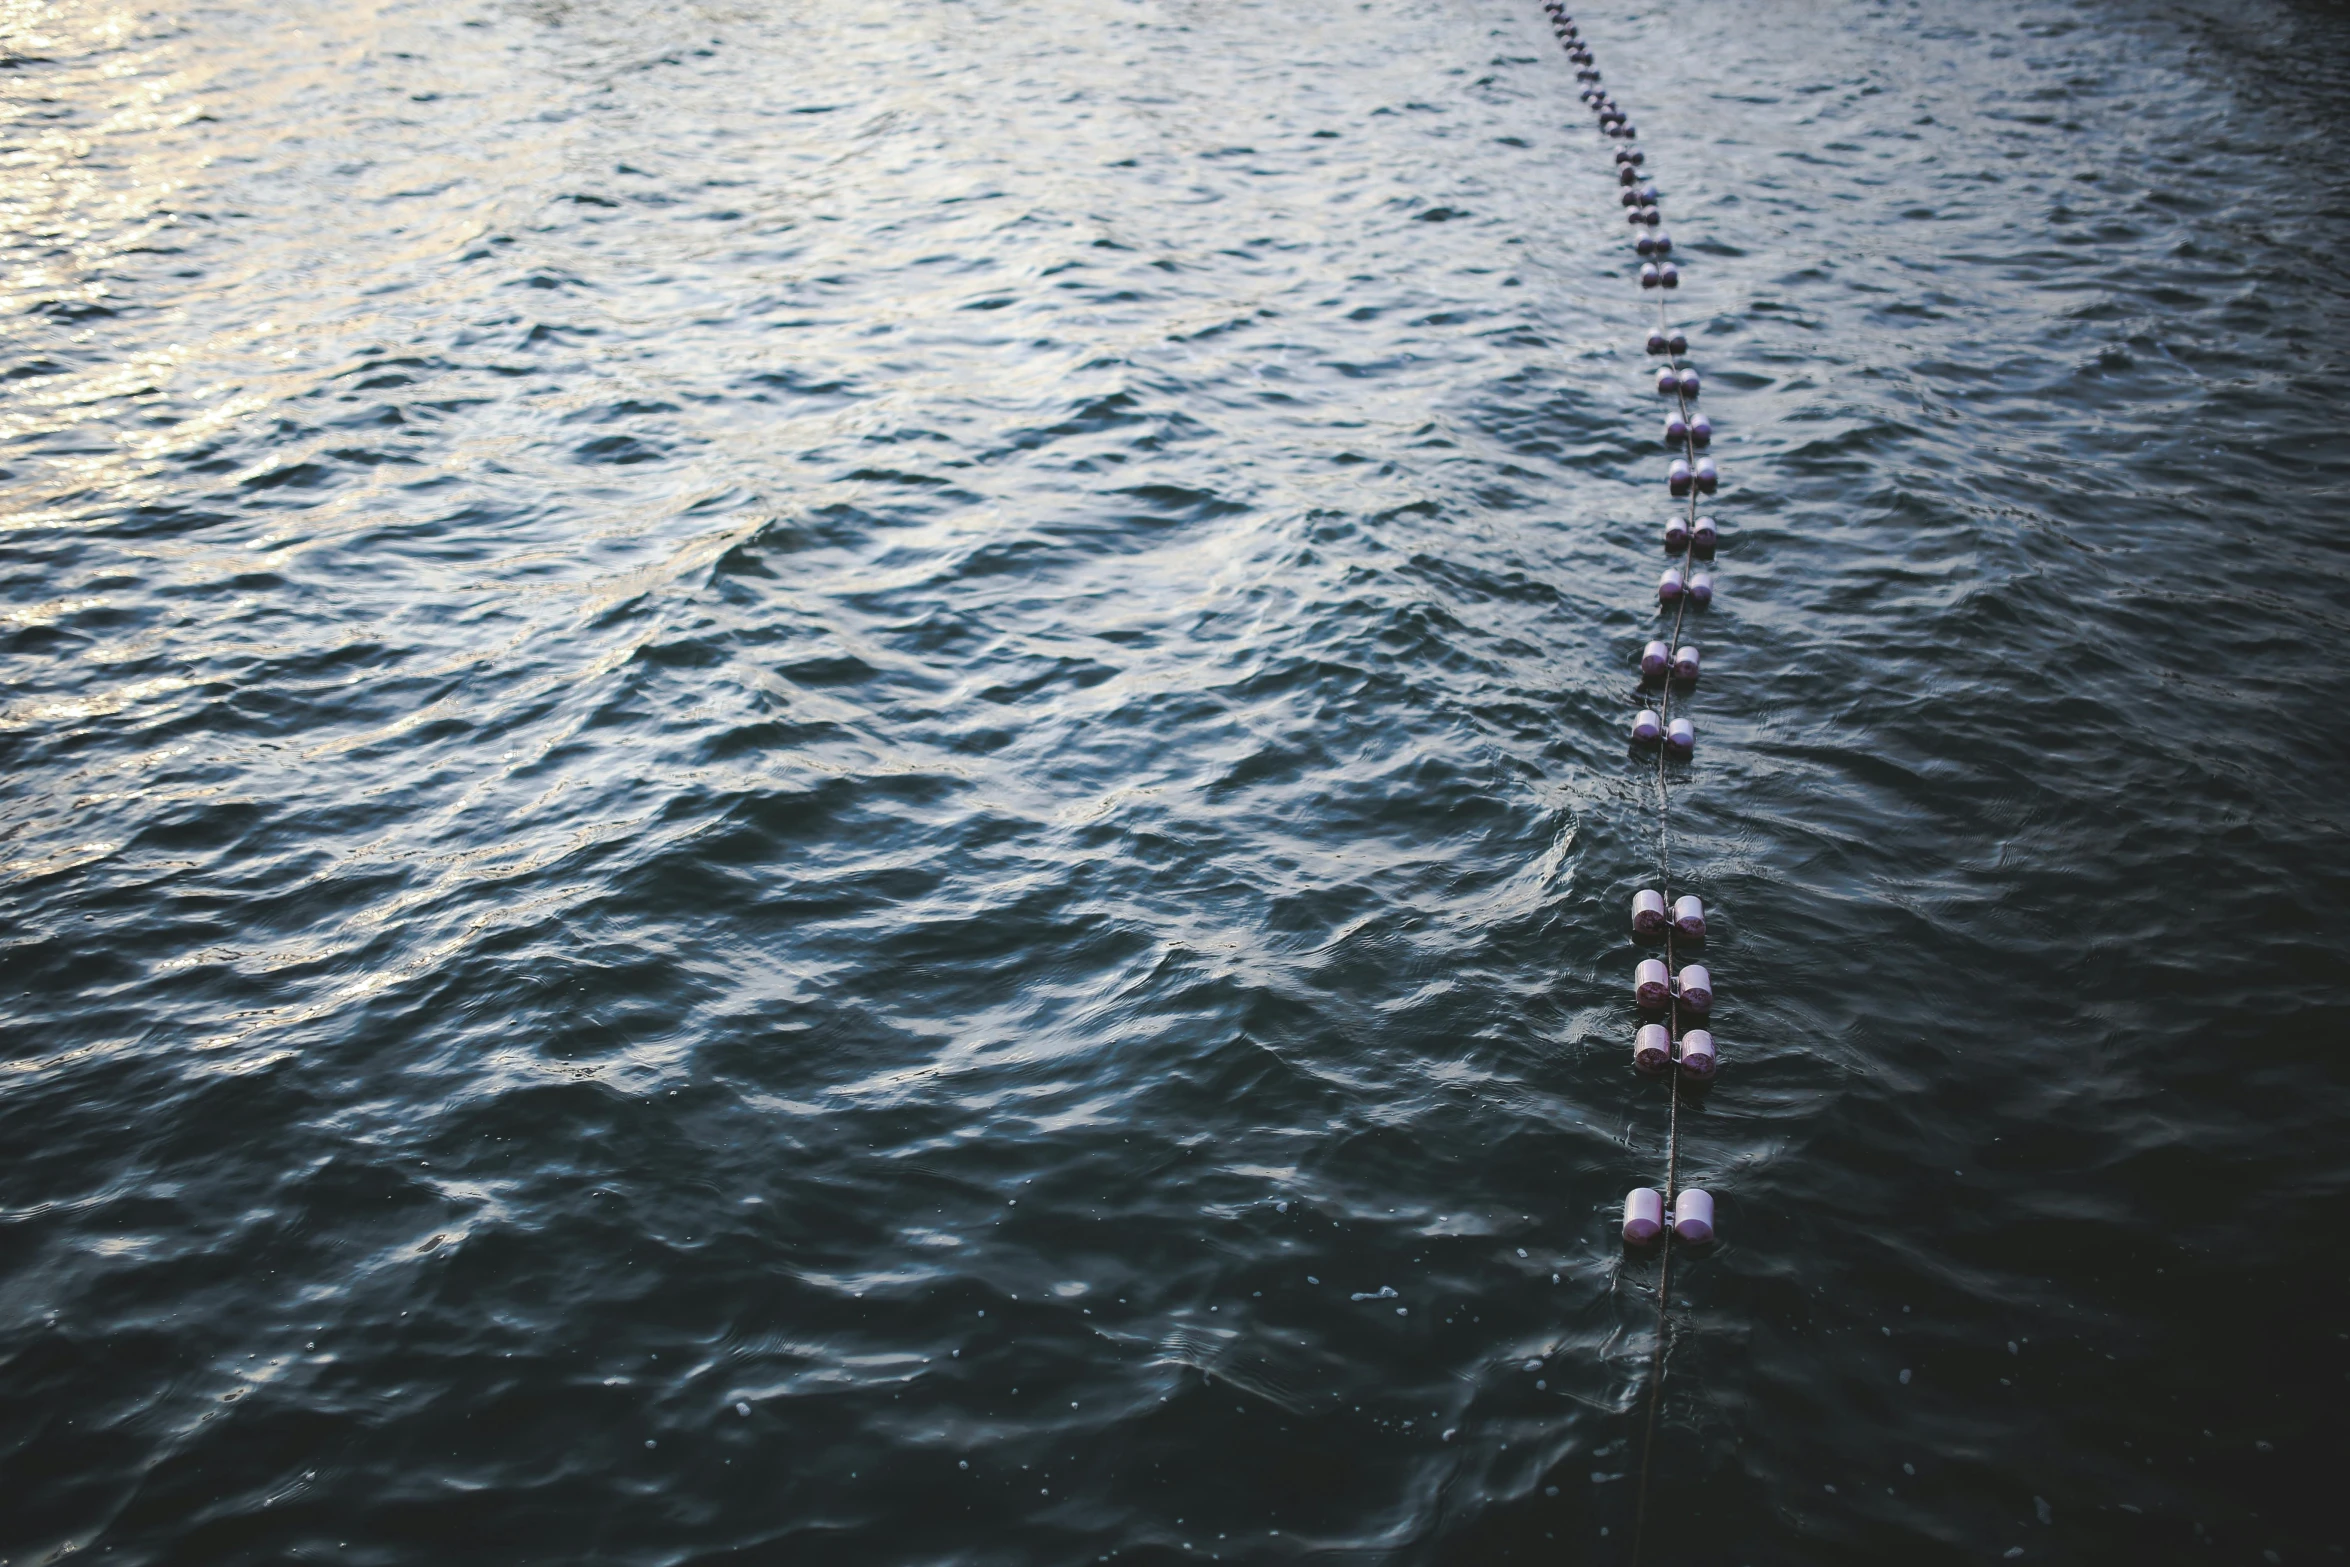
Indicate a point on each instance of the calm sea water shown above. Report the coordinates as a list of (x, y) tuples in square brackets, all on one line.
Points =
[(806, 781)]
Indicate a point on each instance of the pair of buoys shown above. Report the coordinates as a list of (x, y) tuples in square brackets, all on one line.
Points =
[(1650, 919), (1654, 986), (1679, 736), (1658, 659), (1652, 1050), (1644, 1215), (1699, 585), (1698, 538)]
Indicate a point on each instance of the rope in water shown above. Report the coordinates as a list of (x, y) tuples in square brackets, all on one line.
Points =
[(1690, 477)]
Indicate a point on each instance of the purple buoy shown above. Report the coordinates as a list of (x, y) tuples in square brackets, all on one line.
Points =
[(1652, 1048), (1644, 1215), (1669, 586), (1648, 195), (1701, 430), (1668, 381), (1668, 276), (1677, 477), (1676, 430), (1640, 241), (1676, 536), (1680, 737), (1646, 727), (1664, 242), (1649, 276), (1631, 197), (1648, 912), (1627, 176), (1658, 343), (1654, 659), (1708, 477), (1652, 217), (1689, 909), (1697, 987), (1697, 1053), (1688, 384), (1701, 587), (1651, 986), (1685, 671), (1702, 538), (1693, 1217)]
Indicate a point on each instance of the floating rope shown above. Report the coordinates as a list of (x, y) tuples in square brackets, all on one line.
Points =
[(1650, 1214)]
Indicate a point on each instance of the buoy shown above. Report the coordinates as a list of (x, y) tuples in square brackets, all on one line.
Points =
[(1631, 196), (1677, 477), (1648, 912), (1652, 1048), (1701, 430), (1640, 241), (1676, 536), (1702, 538), (1693, 1216), (1660, 241), (1668, 586), (1653, 660), (1668, 276), (1658, 343), (1685, 665), (1651, 985), (1697, 987), (1649, 276), (1689, 909), (1644, 1215), (1680, 737), (1646, 727), (1677, 343), (1706, 475), (1697, 1053), (1687, 384), (1701, 587), (1676, 430), (1652, 217), (1668, 381)]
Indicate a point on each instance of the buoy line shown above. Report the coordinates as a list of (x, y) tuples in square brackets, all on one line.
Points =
[(1652, 1216)]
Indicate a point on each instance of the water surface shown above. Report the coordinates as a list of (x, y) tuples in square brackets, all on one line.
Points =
[(827, 782)]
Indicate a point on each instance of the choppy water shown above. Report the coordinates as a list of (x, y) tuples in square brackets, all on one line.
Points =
[(784, 780)]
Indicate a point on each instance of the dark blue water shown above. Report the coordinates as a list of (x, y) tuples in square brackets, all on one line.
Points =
[(799, 782)]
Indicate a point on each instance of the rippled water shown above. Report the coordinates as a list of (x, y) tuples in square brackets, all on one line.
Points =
[(800, 782)]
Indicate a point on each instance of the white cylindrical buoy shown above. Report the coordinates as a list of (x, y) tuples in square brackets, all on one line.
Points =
[(1701, 430), (1701, 587), (1676, 536), (1697, 1053), (1688, 384), (1677, 477), (1647, 728), (1697, 988), (1689, 916), (1676, 430), (1650, 985), (1668, 381), (1708, 477), (1668, 276), (1703, 538), (1648, 912), (1681, 736), (1654, 659), (1668, 586), (1693, 1216), (1685, 665), (1649, 276), (1652, 1048), (1644, 1215)]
